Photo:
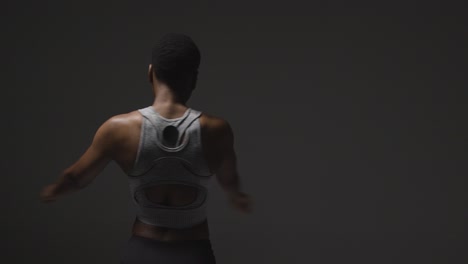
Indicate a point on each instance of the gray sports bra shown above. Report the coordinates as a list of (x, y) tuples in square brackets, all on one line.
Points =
[(160, 162)]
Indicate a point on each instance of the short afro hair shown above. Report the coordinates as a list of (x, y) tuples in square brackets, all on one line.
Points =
[(175, 60)]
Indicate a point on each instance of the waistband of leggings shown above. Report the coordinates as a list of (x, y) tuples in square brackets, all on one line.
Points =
[(172, 242)]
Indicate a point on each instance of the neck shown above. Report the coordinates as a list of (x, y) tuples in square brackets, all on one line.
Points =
[(163, 95)]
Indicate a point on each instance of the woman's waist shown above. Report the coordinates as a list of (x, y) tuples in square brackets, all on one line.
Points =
[(196, 232)]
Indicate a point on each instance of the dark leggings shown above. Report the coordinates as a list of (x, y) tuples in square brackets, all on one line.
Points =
[(142, 250)]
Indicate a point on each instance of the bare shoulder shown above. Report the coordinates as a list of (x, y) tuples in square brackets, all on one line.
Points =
[(217, 130), (215, 124), (121, 125), (125, 118)]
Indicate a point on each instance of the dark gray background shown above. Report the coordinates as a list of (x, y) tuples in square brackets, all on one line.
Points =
[(349, 122)]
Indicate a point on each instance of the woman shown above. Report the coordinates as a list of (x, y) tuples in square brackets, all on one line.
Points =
[(169, 152)]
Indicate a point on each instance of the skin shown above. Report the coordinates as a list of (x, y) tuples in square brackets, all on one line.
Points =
[(117, 140)]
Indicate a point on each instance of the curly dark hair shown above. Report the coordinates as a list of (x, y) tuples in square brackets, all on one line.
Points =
[(175, 60)]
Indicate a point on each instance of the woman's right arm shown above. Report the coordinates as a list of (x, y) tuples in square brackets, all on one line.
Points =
[(227, 173)]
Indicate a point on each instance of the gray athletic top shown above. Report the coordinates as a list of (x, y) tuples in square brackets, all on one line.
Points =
[(182, 163)]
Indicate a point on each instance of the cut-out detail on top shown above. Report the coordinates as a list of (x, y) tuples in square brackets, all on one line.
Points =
[(171, 194), (141, 197), (180, 123), (170, 136)]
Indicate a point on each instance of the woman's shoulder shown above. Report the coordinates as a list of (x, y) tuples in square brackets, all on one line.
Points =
[(214, 123)]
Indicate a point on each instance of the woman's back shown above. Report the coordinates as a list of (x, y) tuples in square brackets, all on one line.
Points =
[(211, 130)]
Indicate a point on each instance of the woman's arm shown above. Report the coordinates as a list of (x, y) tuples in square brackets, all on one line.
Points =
[(227, 173), (88, 166)]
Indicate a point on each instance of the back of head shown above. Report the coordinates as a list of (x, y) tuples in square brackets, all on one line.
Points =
[(175, 60)]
